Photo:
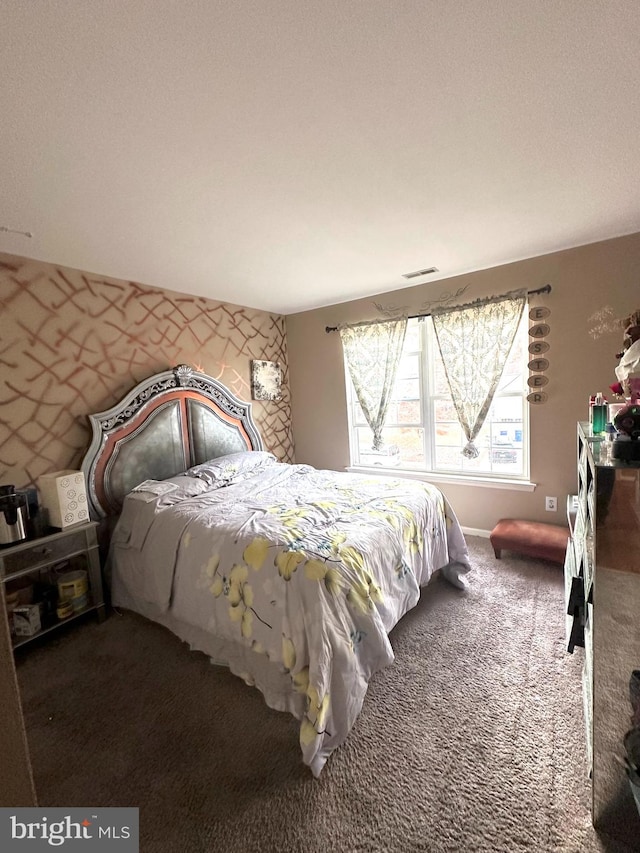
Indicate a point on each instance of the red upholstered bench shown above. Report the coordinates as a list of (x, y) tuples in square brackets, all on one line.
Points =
[(531, 538)]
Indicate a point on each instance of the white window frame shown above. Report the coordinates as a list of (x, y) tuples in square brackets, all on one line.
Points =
[(426, 368)]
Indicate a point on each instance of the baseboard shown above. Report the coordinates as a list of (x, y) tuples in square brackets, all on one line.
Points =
[(475, 531)]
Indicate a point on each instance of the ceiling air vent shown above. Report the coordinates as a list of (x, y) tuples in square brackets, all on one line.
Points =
[(418, 273)]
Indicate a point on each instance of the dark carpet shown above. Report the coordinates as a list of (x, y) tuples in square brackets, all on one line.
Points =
[(473, 740)]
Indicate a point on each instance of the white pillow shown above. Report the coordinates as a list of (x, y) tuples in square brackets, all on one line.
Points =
[(232, 468)]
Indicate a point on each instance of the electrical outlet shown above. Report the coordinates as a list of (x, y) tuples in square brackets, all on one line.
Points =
[(551, 504)]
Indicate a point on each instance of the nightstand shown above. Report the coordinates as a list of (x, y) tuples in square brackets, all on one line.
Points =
[(77, 548)]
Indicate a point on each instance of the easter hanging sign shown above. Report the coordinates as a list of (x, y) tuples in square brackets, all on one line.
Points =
[(538, 365)]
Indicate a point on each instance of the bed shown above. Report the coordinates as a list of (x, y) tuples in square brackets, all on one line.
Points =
[(290, 576)]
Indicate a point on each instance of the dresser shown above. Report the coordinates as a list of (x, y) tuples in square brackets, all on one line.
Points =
[(602, 600)]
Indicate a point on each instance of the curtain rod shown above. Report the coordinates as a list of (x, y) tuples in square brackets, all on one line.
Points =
[(545, 289)]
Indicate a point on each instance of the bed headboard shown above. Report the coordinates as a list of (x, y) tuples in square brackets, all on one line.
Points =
[(163, 426)]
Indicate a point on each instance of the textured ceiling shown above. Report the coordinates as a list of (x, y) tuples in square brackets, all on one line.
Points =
[(288, 154)]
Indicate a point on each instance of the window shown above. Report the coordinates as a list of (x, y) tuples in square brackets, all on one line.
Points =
[(422, 432)]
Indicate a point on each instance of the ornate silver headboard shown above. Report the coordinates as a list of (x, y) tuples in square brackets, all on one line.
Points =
[(163, 426)]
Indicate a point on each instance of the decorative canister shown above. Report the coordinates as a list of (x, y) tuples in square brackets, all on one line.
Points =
[(72, 585), (64, 609), (79, 602)]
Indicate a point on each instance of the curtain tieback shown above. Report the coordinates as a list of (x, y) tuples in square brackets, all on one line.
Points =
[(470, 450)]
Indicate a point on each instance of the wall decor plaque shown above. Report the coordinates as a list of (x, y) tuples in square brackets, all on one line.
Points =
[(539, 347), (266, 380), (538, 380), (538, 365), (539, 313), (540, 330), (537, 397)]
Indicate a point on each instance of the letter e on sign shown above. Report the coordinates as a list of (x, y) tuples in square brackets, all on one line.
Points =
[(540, 313), (537, 380)]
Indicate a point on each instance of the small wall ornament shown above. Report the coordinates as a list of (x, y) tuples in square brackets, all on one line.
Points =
[(266, 380)]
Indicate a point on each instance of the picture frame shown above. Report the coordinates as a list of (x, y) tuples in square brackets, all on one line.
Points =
[(266, 380)]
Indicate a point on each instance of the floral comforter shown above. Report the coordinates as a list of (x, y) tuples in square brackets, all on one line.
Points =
[(306, 569)]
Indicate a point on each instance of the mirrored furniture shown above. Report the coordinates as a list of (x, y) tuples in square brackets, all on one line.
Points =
[(35, 559), (602, 599)]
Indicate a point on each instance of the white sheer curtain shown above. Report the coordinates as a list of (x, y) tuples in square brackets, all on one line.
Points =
[(474, 342), (372, 352)]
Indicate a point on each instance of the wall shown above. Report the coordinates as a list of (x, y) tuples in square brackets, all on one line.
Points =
[(584, 281), (72, 343)]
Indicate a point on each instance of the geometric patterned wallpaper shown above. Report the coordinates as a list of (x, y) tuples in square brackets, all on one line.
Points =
[(72, 343)]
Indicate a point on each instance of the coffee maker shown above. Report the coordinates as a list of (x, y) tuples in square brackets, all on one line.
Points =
[(14, 516)]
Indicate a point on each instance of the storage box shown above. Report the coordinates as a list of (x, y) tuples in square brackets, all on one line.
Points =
[(26, 620), (64, 496)]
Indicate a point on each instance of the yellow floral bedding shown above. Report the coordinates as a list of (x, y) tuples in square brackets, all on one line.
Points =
[(307, 570)]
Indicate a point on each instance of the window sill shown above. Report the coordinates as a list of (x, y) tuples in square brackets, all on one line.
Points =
[(451, 479)]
